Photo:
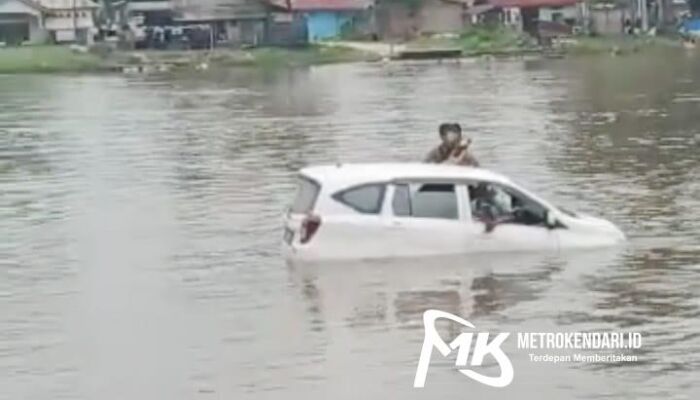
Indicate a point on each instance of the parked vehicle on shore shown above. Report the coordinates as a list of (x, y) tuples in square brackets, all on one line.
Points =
[(354, 211)]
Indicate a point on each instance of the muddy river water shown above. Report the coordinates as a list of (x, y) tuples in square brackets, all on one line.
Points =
[(140, 223)]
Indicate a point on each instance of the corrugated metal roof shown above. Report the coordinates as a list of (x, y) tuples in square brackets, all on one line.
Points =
[(33, 4), (533, 3), (218, 10), (322, 5), (67, 4), (158, 5), (481, 8)]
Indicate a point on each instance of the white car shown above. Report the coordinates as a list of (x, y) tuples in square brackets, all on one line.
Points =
[(355, 211)]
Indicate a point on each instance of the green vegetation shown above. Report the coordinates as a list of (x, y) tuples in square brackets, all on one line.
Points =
[(278, 57), (479, 40), (57, 59), (492, 39), (475, 41), (44, 59), (482, 40), (616, 45)]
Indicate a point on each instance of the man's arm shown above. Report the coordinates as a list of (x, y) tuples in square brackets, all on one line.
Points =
[(466, 158)]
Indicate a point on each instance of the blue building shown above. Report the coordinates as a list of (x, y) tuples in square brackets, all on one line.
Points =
[(329, 19)]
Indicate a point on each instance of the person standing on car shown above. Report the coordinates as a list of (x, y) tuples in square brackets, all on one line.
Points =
[(453, 149)]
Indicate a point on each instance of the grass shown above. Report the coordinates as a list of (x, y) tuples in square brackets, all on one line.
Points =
[(481, 40), (617, 45), (58, 59), (491, 39), (269, 57), (478, 40), (44, 59)]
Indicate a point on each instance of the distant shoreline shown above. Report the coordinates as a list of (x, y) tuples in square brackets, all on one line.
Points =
[(63, 59)]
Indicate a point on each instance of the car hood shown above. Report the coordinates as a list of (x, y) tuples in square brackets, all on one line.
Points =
[(599, 225)]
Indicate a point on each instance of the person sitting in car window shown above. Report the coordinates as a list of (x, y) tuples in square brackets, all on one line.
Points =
[(486, 207)]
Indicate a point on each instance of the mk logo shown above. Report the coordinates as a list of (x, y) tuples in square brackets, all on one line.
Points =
[(463, 342)]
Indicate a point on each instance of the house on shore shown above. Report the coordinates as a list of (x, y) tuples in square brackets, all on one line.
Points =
[(330, 19), (404, 20), (542, 19), (70, 21), (609, 18), (21, 21), (149, 12), (229, 22), (41, 21)]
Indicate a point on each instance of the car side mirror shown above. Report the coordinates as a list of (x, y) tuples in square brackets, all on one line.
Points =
[(489, 226), (550, 220)]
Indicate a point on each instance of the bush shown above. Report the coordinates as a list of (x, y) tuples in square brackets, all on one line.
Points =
[(482, 38)]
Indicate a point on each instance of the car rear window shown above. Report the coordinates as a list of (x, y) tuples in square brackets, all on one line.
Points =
[(429, 200), (366, 199), (307, 193)]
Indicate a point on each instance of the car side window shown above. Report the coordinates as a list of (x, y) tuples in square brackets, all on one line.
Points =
[(490, 201), (426, 200), (365, 199)]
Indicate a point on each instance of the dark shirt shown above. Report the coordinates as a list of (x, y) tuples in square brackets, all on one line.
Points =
[(439, 154), (442, 153)]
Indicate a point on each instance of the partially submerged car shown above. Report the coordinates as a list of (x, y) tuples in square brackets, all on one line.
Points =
[(352, 211)]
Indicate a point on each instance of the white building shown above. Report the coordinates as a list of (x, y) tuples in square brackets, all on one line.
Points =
[(70, 20), (41, 21)]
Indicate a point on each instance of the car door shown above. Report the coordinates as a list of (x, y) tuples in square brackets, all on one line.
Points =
[(520, 221), (353, 222), (425, 218)]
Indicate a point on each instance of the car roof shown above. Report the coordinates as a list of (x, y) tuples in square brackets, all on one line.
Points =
[(358, 173)]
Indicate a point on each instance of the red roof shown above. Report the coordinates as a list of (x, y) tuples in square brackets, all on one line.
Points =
[(323, 5), (533, 3)]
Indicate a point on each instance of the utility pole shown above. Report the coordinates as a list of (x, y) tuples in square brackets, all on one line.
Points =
[(644, 15), (75, 23)]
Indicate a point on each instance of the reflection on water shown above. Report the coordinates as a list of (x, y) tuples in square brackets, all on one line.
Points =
[(140, 221)]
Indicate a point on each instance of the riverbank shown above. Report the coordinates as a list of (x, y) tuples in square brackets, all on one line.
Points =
[(479, 41), (616, 45), (502, 41), (47, 59), (61, 59), (475, 42)]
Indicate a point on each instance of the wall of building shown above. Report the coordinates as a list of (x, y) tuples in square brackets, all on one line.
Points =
[(608, 21), (558, 14), (437, 16), (396, 21), (21, 29), (68, 20), (286, 29), (37, 33), (67, 26), (20, 19), (323, 25)]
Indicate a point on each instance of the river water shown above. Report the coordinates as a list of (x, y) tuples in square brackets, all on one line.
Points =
[(140, 227)]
